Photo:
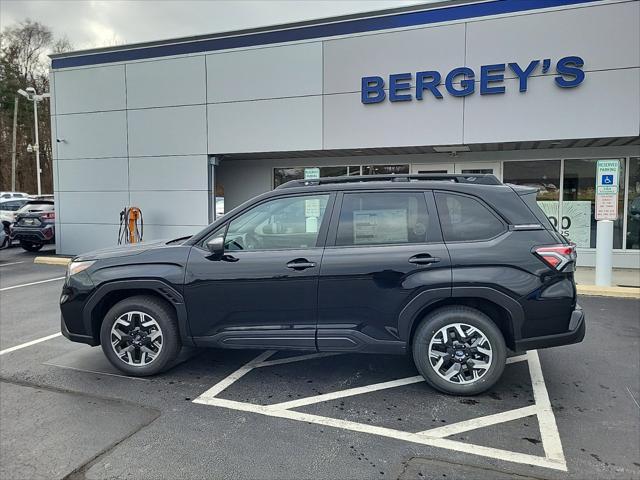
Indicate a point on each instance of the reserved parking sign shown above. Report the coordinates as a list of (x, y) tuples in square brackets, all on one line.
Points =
[(607, 181)]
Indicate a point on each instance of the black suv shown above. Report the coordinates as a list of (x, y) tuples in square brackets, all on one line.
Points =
[(35, 225), (454, 269)]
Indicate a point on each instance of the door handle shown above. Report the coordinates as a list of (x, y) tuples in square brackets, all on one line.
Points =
[(423, 259), (300, 264)]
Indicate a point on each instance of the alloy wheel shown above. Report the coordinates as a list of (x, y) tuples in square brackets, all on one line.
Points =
[(136, 338), (460, 353)]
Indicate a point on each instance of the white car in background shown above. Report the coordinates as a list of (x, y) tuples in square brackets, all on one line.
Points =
[(12, 195), (9, 207)]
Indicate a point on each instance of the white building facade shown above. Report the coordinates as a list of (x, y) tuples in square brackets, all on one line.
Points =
[(534, 92)]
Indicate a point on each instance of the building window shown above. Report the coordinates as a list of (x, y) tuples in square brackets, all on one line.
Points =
[(286, 174), (385, 169), (545, 176), (578, 203), (633, 205)]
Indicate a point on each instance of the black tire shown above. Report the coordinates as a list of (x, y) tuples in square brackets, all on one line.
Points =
[(31, 247), (165, 318), (440, 318)]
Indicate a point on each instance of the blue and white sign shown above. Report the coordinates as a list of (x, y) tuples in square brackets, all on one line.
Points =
[(461, 81), (607, 181)]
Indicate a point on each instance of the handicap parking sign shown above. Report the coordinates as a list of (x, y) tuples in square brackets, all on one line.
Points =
[(607, 179)]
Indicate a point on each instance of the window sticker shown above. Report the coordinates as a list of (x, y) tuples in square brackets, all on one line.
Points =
[(312, 207), (380, 226)]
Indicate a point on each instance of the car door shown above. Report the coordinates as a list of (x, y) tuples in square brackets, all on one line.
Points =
[(263, 292), (384, 248)]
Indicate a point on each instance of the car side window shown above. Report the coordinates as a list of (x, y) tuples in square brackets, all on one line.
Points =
[(382, 218), (282, 223), (465, 219), (11, 206)]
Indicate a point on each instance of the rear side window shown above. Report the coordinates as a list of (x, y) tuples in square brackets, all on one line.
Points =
[(465, 219), (382, 218), (530, 200)]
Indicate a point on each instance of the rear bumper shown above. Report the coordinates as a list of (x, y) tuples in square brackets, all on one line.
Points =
[(575, 334), (44, 234)]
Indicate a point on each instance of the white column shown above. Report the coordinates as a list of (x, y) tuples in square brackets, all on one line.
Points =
[(604, 252)]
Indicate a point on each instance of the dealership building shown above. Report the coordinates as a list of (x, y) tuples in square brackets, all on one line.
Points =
[(535, 92)]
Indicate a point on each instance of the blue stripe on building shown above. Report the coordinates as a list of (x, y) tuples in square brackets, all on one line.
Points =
[(400, 20)]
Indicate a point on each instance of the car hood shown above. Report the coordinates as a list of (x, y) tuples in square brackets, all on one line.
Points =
[(123, 250)]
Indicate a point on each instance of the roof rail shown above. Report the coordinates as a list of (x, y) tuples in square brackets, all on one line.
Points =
[(480, 179)]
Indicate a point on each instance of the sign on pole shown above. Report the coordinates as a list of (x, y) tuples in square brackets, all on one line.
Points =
[(311, 173), (607, 184)]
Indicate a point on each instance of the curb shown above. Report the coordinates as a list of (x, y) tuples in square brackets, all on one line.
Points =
[(52, 261), (598, 291)]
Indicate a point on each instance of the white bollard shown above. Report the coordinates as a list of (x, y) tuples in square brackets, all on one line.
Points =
[(604, 252)]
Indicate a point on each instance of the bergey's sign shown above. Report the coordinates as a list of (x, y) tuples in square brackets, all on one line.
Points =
[(461, 81)]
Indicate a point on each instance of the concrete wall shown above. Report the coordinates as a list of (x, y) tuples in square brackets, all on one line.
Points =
[(138, 137), (139, 132)]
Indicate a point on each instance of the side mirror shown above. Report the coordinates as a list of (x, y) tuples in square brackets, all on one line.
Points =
[(216, 247)]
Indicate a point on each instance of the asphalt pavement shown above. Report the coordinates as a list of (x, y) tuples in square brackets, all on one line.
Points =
[(570, 412)]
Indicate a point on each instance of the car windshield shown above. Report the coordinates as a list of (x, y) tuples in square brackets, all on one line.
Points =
[(36, 207)]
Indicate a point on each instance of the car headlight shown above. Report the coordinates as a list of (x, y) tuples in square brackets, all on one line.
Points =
[(77, 267)]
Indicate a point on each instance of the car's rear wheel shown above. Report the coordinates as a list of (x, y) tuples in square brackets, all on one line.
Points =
[(459, 350), (140, 336), (30, 246)]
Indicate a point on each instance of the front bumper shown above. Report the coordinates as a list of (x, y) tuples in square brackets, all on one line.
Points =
[(74, 337), (575, 334), (75, 291)]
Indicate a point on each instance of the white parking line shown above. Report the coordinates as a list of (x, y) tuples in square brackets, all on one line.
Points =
[(546, 419), (10, 263), (242, 371), (300, 402), (553, 459), (480, 422), (519, 358), (32, 283), (493, 453), (28, 344)]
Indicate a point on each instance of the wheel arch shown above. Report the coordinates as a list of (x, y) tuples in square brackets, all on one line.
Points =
[(502, 309), (111, 293)]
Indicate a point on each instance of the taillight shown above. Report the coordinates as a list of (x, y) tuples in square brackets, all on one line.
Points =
[(48, 215), (556, 256)]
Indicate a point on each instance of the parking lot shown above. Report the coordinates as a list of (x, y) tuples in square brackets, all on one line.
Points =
[(569, 412)]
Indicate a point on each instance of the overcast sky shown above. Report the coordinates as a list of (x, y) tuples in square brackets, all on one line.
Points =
[(90, 24)]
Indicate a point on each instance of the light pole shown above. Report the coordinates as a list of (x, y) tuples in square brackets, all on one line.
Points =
[(30, 94)]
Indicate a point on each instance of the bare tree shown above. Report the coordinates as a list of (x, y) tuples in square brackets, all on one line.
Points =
[(26, 43), (23, 63)]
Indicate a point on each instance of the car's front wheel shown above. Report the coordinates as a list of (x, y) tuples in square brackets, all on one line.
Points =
[(140, 336), (30, 246), (459, 350)]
